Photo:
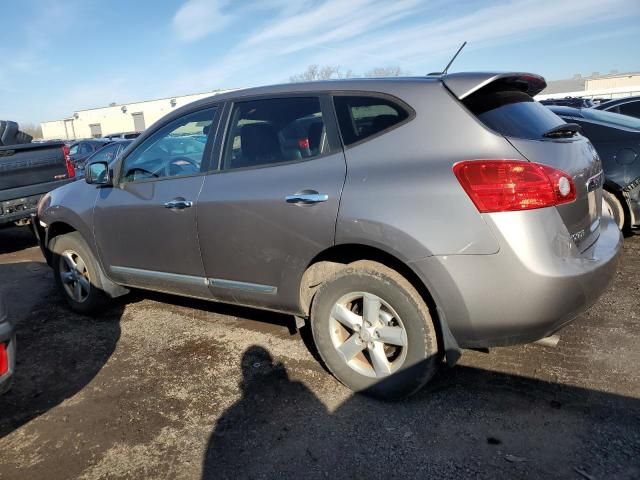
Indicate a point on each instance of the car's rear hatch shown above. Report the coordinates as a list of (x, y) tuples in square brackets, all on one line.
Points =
[(504, 103)]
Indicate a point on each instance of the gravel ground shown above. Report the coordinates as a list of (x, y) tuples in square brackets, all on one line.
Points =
[(162, 387)]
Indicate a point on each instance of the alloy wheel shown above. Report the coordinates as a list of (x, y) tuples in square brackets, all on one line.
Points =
[(74, 276), (368, 334)]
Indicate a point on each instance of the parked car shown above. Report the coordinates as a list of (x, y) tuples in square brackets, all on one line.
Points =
[(7, 349), (79, 151), (617, 140), (123, 136), (108, 153), (28, 171), (576, 102), (381, 211), (626, 106)]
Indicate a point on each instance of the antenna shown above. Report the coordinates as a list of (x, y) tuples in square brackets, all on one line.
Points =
[(446, 69)]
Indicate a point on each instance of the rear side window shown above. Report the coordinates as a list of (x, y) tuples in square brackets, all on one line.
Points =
[(272, 131), (361, 117), (631, 108), (511, 112)]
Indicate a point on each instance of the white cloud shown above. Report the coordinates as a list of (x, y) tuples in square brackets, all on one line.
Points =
[(198, 18)]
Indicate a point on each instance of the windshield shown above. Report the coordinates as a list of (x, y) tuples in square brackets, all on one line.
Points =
[(610, 117)]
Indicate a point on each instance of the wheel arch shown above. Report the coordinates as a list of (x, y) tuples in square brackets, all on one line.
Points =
[(338, 257)]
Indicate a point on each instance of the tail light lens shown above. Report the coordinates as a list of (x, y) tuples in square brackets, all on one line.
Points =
[(511, 185), (71, 172), (4, 359)]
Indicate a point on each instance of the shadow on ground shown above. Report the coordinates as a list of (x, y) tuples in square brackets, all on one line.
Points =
[(59, 352), (14, 239), (471, 423)]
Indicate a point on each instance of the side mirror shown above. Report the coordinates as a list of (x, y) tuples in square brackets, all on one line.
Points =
[(97, 173)]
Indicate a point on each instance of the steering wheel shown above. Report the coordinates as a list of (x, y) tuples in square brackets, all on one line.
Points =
[(179, 163)]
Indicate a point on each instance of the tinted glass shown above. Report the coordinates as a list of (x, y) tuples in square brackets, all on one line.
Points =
[(631, 108), (106, 154), (171, 151), (265, 132), (85, 148), (512, 113), (360, 117), (74, 149), (610, 117)]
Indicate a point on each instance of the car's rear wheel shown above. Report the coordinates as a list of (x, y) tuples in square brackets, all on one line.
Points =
[(611, 205), (76, 273), (374, 331)]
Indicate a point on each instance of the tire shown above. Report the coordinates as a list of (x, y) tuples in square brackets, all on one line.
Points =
[(71, 249), (411, 359), (8, 131), (614, 207)]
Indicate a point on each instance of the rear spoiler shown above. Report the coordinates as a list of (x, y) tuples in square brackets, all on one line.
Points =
[(464, 84)]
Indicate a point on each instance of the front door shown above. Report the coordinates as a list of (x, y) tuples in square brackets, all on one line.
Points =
[(145, 226), (272, 205)]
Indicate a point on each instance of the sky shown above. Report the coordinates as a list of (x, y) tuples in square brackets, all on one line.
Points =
[(60, 56)]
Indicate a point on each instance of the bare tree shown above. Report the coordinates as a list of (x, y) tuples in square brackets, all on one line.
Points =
[(32, 129), (317, 72), (390, 71)]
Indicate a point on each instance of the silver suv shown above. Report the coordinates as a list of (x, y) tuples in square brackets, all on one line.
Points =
[(404, 219)]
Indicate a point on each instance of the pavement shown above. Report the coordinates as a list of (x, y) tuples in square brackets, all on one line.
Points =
[(158, 386)]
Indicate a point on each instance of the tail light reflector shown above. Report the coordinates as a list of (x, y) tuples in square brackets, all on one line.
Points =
[(511, 185), (71, 172), (4, 359)]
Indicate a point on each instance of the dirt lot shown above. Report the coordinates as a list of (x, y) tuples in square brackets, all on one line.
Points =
[(163, 387)]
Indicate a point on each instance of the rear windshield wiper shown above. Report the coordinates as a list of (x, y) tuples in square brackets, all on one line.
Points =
[(564, 130)]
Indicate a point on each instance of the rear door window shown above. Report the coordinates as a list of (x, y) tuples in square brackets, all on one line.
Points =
[(272, 131), (511, 112), (631, 108), (361, 117)]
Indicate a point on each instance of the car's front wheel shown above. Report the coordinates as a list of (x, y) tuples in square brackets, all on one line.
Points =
[(374, 331), (76, 273)]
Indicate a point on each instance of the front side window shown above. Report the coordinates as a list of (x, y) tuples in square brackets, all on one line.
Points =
[(172, 150), (361, 117), (266, 132), (632, 109), (85, 149), (106, 154)]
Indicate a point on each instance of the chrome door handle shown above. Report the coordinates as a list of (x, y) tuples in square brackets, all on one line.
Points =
[(307, 197), (178, 204)]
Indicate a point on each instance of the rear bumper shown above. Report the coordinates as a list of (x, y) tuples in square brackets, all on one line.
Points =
[(534, 285), (7, 337)]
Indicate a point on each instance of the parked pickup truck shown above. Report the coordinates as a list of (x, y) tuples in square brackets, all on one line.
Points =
[(28, 171)]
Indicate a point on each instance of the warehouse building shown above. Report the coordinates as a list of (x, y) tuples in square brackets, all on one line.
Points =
[(611, 85), (116, 118)]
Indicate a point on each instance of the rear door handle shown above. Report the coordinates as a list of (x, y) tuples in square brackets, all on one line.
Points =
[(307, 197), (178, 204)]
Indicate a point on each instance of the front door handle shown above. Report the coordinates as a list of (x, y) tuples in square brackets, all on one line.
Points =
[(178, 204), (307, 197)]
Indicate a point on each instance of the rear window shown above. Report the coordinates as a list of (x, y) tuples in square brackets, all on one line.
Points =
[(511, 112), (361, 117)]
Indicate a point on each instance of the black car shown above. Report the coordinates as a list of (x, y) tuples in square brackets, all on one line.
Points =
[(7, 349), (616, 138), (576, 102), (123, 136), (626, 106), (81, 150)]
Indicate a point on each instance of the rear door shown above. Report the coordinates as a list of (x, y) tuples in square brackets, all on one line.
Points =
[(145, 226), (504, 107), (272, 205)]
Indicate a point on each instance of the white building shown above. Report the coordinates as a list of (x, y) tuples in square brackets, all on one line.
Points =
[(116, 118), (612, 85)]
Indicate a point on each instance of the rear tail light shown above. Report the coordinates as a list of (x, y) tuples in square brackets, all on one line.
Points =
[(71, 172), (511, 185), (4, 359)]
